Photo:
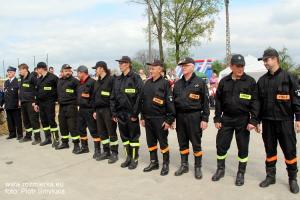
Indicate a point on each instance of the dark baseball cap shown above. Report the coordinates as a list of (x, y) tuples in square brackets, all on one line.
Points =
[(100, 64), (238, 59), (156, 62), (41, 65), (82, 68), (66, 66), (124, 59), (11, 69), (187, 60), (268, 53)]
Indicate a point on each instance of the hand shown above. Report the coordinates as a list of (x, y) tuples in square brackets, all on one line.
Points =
[(298, 126), (94, 115), (133, 119), (142, 122), (218, 125), (203, 125), (166, 126), (250, 127), (36, 108), (115, 119), (257, 128)]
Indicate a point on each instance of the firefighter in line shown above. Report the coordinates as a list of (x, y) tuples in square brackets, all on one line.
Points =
[(46, 97), (27, 94), (105, 125), (68, 111), (192, 114), (158, 115), (236, 111), (279, 94), (85, 113), (12, 107), (125, 110)]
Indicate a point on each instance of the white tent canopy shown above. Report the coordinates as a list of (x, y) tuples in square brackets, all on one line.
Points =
[(253, 68)]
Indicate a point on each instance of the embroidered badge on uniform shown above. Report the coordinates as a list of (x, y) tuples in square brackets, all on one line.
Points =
[(297, 92)]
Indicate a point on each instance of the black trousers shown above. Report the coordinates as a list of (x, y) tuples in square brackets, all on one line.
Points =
[(14, 122), (237, 124), (284, 133), (155, 133), (188, 130), (67, 123), (30, 120), (130, 134), (107, 130), (85, 120), (47, 115)]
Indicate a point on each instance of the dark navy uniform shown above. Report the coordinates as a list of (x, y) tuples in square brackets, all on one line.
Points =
[(11, 106)]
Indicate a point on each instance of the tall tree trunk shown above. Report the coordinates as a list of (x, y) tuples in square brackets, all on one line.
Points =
[(177, 52)]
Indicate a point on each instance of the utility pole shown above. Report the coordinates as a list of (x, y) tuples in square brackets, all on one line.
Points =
[(228, 45), (3, 69), (47, 59), (34, 62), (18, 62), (149, 32)]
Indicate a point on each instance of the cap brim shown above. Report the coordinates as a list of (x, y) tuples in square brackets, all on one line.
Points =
[(95, 67)]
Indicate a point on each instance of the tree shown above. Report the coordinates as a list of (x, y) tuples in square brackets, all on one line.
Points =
[(136, 66), (186, 21), (217, 66), (142, 56), (286, 61), (156, 9)]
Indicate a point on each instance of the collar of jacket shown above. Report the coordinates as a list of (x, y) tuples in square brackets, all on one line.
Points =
[(156, 79), (229, 77), (276, 73), (85, 80), (130, 73), (190, 80), (101, 80)]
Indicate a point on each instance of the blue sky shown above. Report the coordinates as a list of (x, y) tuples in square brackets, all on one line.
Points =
[(84, 32)]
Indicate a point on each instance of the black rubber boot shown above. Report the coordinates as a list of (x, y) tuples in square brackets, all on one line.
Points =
[(240, 177), (198, 165), (63, 145), (220, 173), (113, 157), (134, 158), (37, 139), (270, 178), (106, 153), (76, 148), (165, 167), (128, 158), (84, 147), (55, 138), (184, 167), (294, 187), (47, 139), (26, 138), (12, 136), (97, 151), (154, 165)]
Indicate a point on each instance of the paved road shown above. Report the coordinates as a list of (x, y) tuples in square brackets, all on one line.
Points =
[(34, 172)]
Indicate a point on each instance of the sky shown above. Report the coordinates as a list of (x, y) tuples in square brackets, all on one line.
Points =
[(83, 32)]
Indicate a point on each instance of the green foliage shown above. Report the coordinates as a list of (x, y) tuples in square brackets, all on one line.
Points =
[(217, 66)]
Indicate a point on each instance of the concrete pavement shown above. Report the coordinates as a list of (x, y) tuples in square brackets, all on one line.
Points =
[(34, 172)]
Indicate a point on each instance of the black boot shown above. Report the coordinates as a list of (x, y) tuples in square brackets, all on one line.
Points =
[(37, 139), (106, 153), (47, 139), (113, 157), (76, 148), (63, 145), (294, 187), (198, 164), (11, 136), (26, 138), (134, 158), (55, 138), (84, 147), (153, 162), (184, 167), (240, 179), (220, 170), (97, 151), (271, 177), (165, 168), (128, 158)]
